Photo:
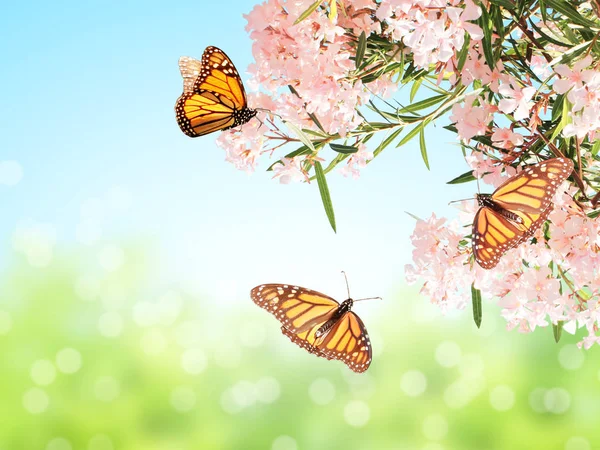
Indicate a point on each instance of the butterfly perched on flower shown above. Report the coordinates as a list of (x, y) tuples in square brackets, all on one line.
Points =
[(318, 323), (213, 95), (515, 211)]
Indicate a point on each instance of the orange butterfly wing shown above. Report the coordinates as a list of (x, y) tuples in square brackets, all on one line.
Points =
[(298, 309), (303, 311), (213, 95), (528, 196)]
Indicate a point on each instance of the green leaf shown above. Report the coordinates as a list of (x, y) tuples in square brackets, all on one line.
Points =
[(428, 102), (570, 12), (504, 4), (308, 12), (301, 135), (423, 148), (345, 149), (387, 141), (417, 218), (464, 178), (412, 133), (557, 330), (477, 310), (486, 25), (464, 51), (414, 89), (360, 49), (325, 197)]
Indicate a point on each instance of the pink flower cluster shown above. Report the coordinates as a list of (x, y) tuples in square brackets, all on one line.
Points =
[(315, 58), (528, 280)]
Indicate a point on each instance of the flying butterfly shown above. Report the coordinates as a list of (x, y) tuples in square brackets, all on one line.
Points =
[(318, 323), (515, 211), (213, 95)]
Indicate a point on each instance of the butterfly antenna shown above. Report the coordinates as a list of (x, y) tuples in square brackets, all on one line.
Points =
[(347, 285), (367, 298), (461, 200)]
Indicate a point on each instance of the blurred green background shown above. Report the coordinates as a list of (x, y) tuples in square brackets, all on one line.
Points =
[(94, 359), (127, 253)]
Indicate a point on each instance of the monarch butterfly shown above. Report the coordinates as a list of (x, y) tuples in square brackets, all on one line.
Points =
[(213, 95), (515, 211), (318, 323)]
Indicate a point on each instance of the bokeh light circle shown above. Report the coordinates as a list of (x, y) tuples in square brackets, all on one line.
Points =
[(536, 400), (5, 322), (284, 443), (502, 398), (100, 442), (68, 360), (448, 354), (268, 390), (59, 443), (110, 324), (571, 357), (577, 443), (435, 427), (557, 400), (413, 383), (193, 361), (43, 372), (183, 399), (35, 401), (357, 413), (321, 391), (107, 388)]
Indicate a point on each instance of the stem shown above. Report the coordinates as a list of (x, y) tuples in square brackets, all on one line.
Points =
[(568, 282)]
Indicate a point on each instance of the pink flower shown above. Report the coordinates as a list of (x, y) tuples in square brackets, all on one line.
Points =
[(471, 120), (572, 78), (516, 100), (289, 170), (357, 161), (506, 138)]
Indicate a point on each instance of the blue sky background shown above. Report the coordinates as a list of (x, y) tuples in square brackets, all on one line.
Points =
[(88, 91)]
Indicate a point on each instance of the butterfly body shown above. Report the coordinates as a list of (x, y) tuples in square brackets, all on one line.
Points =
[(516, 210), (317, 323), (486, 201), (344, 307), (213, 96)]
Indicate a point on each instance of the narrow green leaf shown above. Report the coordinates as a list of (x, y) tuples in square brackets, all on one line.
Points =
[(415, 88), (504, 4), (325, 197), (387, 141), (464, 178), (557, 330), (411, 134), (464, 51), (477, 310), (423, 104), (486, 26), (301, 135), (308, 12), (566, 9), (595, 147), (423, 148), (300, 151), (345, 149), (360, 49), (417, 218)]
